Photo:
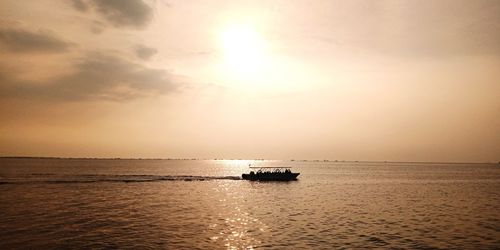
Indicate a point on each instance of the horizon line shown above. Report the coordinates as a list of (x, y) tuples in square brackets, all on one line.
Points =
[(223, 159)]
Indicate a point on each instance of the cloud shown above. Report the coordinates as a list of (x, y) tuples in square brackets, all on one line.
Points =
[(120, 13), (97, 27), (145, 52), (19, 40), (97, 76), (80, 5), (411, 28)]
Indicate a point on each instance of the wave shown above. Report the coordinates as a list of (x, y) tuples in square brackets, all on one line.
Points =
[(58, 179)]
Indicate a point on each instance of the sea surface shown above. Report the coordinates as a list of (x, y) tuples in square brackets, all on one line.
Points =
[(203, 204)]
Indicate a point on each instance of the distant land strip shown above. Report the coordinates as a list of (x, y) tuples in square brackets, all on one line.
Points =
[(221, 159)]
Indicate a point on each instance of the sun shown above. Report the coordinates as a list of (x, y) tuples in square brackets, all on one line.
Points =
[(249, 62), (243, 50)]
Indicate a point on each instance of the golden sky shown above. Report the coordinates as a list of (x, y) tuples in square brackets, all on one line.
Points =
[(348, 80)]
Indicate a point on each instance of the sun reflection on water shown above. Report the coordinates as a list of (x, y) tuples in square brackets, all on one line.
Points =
[(236, 228), (232, 163)]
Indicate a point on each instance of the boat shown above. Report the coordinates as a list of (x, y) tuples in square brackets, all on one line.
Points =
[(270, 174)]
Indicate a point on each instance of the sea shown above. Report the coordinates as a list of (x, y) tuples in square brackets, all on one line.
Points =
[(51, 203)]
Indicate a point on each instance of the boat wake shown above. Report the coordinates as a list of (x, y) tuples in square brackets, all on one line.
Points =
[(55, 179)]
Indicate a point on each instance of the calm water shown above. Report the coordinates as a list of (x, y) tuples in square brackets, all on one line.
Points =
[(52, 203)]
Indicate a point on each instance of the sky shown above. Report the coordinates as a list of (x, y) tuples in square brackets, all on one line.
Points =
[(340, 80)]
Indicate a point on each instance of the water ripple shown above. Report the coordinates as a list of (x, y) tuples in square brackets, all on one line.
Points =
[(58, 179)]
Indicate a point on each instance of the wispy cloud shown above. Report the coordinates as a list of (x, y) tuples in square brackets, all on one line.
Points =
[(97, 76), (79, 5), (144, 52), (120, 13), (411, 29), (19, 41)]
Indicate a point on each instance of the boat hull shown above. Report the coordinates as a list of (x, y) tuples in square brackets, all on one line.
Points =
[(270, 176)]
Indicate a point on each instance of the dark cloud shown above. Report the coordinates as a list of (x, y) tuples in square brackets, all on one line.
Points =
[(145, 52), (18, 40), (120, 13), (79, 5), (97, 27), (98, 76)]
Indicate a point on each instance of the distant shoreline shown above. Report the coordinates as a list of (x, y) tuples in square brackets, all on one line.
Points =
[(217, 159)]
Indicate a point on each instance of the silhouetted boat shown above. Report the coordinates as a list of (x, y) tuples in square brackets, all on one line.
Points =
[(270, 174)]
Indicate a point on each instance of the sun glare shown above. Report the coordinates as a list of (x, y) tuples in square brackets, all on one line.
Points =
[(250, 63), (243, 50)]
